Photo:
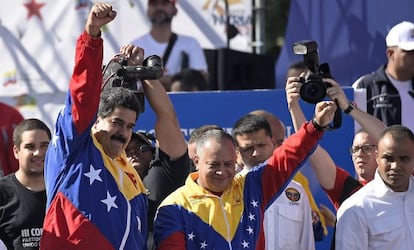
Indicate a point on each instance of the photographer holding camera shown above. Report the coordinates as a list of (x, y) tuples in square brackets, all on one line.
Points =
[(337, 183), (95, 198)]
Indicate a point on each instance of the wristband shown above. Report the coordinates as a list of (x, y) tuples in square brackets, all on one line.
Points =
[(350, 107), (317, 126)]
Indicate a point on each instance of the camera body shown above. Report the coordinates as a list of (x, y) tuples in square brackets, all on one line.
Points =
[(313, 89), (118, 74)]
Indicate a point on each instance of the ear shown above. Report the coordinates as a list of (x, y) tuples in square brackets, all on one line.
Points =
[(16, 152), (196, 160), (390, 53)]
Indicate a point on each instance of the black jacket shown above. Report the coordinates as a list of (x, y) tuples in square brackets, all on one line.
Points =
[(383, 99)]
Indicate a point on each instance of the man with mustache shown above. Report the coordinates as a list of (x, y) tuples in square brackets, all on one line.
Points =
[(95, 198), (185, 51)]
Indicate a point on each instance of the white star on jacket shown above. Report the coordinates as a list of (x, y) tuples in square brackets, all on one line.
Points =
[(109, 201), (203, 245), (254, 203), (93, 175), (191, 236)]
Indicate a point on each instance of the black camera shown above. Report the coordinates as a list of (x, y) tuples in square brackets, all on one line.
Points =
[(313, 89), (117, 74)]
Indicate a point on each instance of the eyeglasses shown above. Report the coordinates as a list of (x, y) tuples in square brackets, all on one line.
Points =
[(141, 148), (366, 149)]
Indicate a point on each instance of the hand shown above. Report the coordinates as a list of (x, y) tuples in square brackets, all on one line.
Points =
[(293, 91), (324, 112), (337, 93), (134, 54), (100, 14), (328, 215)]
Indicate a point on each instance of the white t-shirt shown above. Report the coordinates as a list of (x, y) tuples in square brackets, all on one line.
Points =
[(183, 43), (2, 246), (407, 102)]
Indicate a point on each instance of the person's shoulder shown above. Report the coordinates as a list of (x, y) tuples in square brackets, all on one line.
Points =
[(295, 184), (178, 197), (141, 39), (370, 78), (360, 197), (187, 39), (6, 180), (7, 185)]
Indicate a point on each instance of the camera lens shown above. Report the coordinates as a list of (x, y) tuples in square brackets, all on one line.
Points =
[(313, 91)]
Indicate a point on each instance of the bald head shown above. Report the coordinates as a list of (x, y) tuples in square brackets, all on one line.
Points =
[(276, 125)]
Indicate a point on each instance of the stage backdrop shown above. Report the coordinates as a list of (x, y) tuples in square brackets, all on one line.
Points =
[(225, 107)]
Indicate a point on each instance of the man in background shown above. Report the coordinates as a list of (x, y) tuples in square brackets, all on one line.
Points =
[(162, 163), (380, 214), (178, 51), (388, 93), (23, 194)]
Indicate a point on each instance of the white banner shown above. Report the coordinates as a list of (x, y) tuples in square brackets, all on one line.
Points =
[(38, 39)]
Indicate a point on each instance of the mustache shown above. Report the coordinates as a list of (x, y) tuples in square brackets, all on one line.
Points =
[(119, 138)]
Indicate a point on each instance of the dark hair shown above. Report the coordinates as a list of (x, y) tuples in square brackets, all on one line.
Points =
[(118, 97), (191, 80), (251, 123), (198, 132), (27, 125), (298, 65), (398, 132), (296, 68)]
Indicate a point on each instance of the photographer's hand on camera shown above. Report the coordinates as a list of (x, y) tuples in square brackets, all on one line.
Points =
[(100, 14), (336, 92), (134, 54), (292, 89), (324, 114)]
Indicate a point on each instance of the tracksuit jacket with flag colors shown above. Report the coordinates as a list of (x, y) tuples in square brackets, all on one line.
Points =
[(93, 201), (193, 218)]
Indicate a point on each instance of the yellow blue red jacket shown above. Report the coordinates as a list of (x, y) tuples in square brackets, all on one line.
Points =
[(93, 201), (193, 218)]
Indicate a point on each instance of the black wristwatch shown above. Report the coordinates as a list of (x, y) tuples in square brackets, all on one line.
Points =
[(317, 126), (350, 107)]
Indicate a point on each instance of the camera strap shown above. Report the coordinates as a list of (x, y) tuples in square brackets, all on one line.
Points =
[(170, 45), (337, 121)]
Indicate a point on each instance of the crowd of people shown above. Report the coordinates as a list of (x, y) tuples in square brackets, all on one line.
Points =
[(95, 183)]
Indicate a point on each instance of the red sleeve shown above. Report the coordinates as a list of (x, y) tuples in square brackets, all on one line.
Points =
[(86, 81), (288, 158), (175, 241), (344, 187), (11, 117)]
